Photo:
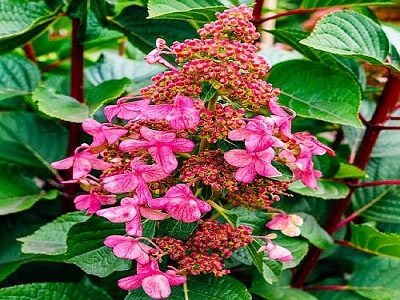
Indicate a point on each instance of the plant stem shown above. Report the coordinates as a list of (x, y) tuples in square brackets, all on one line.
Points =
[(375, 183), (30, 52), (284, 14), (77, 93), (185, 291), (328, 288), (211, 107), (387, 102)]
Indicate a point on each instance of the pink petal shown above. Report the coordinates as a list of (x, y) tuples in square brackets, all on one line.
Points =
[(121, 183), (203, 206), (156, 135), (131, 282), (114, 134), (81, 168), (158, 203), (83, 202), (150, 173), (246, 174), (63, 164), (239, 134), (118, 214), (187, 212), (156, 286), (91, 126), (152, 214), (185, 119), (133, 145), (134, 226), (279, 222), (157, 112), (182, 145), (113, 240), (163, 155), (173, 278), (238, 158)]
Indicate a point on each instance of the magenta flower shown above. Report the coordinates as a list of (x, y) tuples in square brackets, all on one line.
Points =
[(307, 140), (180, 203), (252, 163), (258, 134), (161, 146), (155, 55), (276, 252), (93, 202), (131, 111), (155, 283), (103, 133), (281, 118), (128, 248), (82, 162), (287, 224), (136, 179), (180, 115)]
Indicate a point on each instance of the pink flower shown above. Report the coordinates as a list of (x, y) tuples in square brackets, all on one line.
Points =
[(287, 224), (129, 248), (252, 163), (93, 202), (276, 252), (81, 162), (155, 283), (307, 140), (155, 55), (103, 133), (180, 115), (131, 111), (281, 118), (180, 203), (161, 146), (257, 134), (136, 179)]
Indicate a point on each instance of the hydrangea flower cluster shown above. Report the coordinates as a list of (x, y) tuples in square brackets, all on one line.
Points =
[(207, 132)]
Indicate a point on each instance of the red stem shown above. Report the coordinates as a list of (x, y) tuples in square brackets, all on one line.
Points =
[(77, 92), (375, 183), (258, 20), (30, 52), (257, 12), (389, 98)]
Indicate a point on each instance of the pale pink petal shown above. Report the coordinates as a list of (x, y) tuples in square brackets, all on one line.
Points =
[(156, 135), (133, 145), (131, 282), (114, 134), (239, 134), (83, 202), (174, 279), (121, 183), (134, 226), (238, 158), (157, 112), (203, 206), (183, 119), (118, 214), (152, 214), (113, 240), (81, 168), (91, 126), (182, 145), (278, 252), (156, 286), (278, 222), (158, 203), (185, 212), (150, 173)]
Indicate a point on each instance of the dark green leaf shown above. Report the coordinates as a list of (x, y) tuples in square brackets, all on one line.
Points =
[(327, 164), (316, 91), (176, 229), (314, 233), (324, 3), (298, 247), (207, 91), (255, 219), (276, 292), (287, 174), (326, 189)]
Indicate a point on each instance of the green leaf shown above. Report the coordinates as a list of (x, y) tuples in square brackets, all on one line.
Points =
[(52, 291), (314, 233), (350, 34), (60, 106), (202, 11), (255, 219), (23, 20), (298, 247), (349, 171), (203, 287), (51, 239), (326, 189), (143, 32), (30, 140), (370, 240), (287, 174), (324, 3), (386, 209), (317, 91), (278, 292), (176, 229), (378, 278), (207, 91), (104, 93), (19, 76), (86, 247)]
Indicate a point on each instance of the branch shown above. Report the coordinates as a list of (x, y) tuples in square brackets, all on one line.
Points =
[(30, 52), (284, 14), (375, 183)]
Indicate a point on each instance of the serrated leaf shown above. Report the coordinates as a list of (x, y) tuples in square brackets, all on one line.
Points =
[(30, 140), (23, 20), (104, 93), (335, 99), (51, 239), (19, 76), (326, 189), (349, 171), (255, 219), (324, 3), (60, 106), (370, 240), (350, 34), (387, 208), (378, 278), (52, 291), (202, 11), (176, 229), (143, 32), (86, 247), (314, 233), (203, 287)]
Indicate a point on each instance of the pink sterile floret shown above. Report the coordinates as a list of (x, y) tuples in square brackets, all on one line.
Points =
[(252, 163), (276, 252), (155, 283), (103, 133), (93, 201), (287, 224), (180, 203), (81, 162), (131, 111), (161, 146), (129, 248)]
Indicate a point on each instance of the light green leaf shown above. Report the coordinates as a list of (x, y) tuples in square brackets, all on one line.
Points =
[(275, 292), (370, 240), (52, 291), (317, 91), (60, 106), (387, 209), (378, 278), (176, 229), (297, 247), (314, 233), (19, 76), (350, 34), (326, 189), (104, 93), (203, 287), (23, 20), (202, 11), (324, 3), (349, 171), (30, 140), (51, 239)]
